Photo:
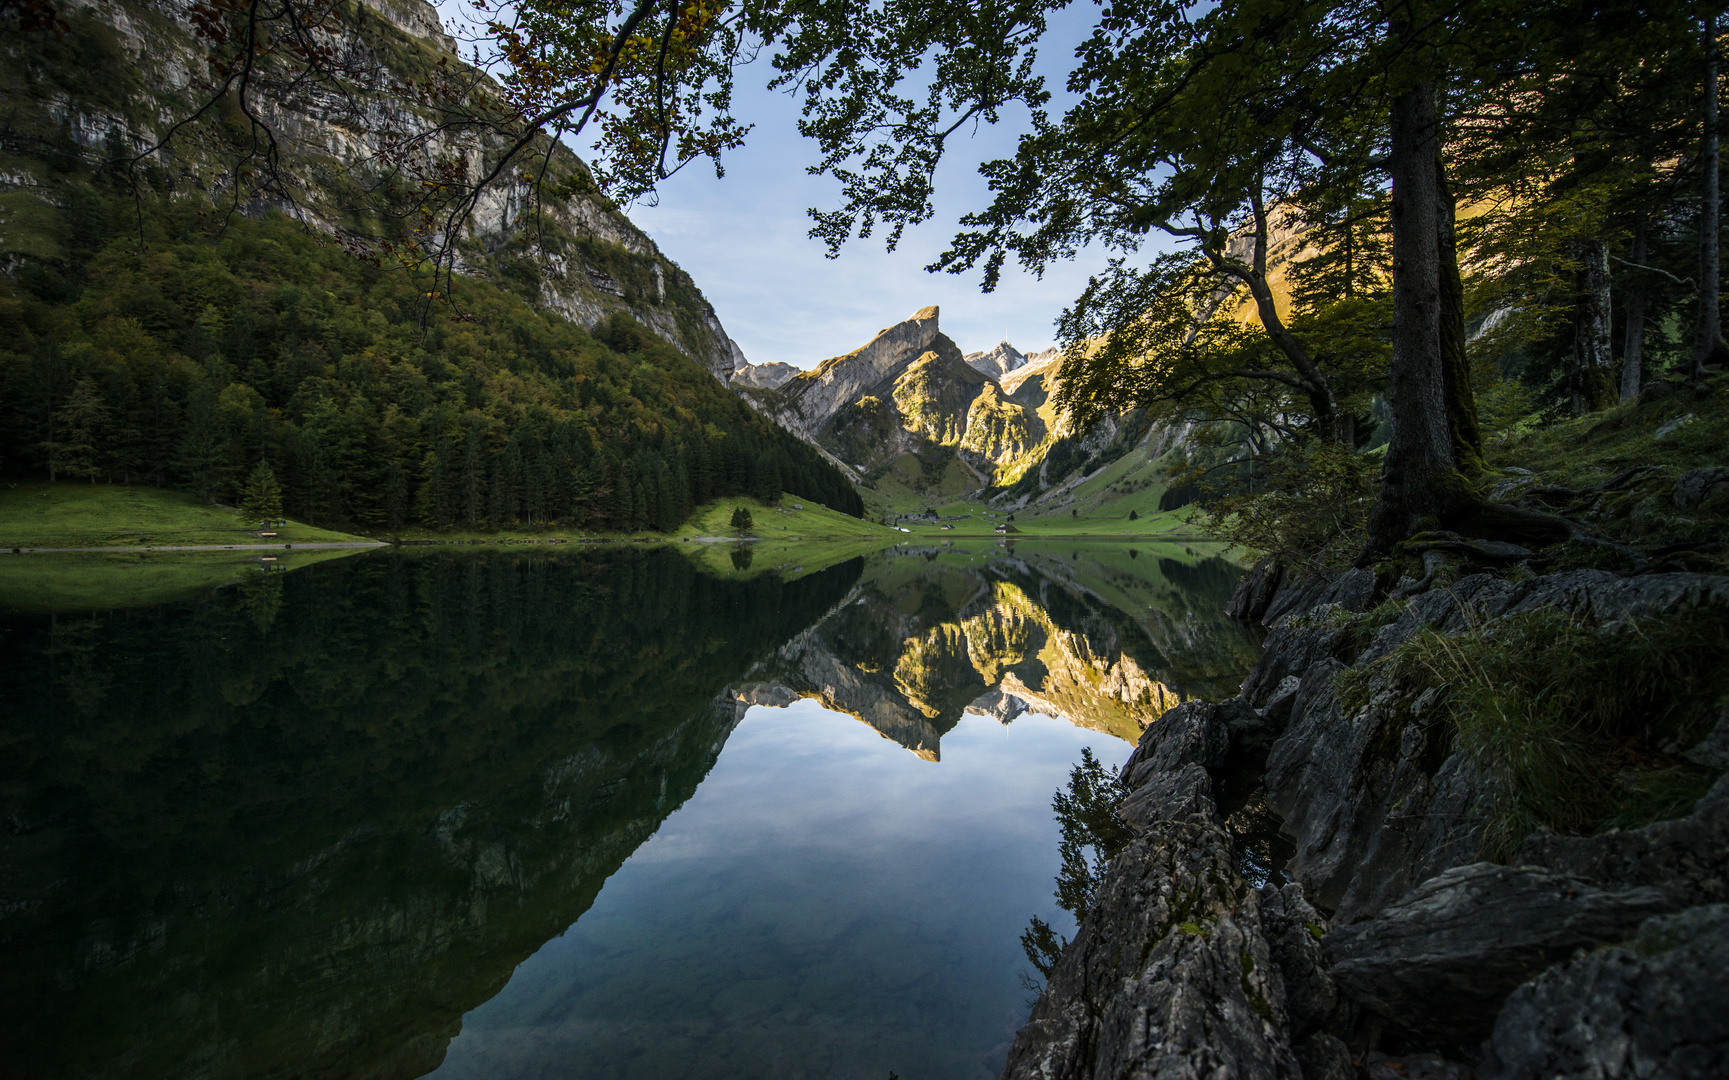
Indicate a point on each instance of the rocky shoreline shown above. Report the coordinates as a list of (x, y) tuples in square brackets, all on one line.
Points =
[(1391, 949)]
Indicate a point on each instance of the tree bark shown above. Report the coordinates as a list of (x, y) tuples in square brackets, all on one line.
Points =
[(1633, 354), (1420, 481), (1462, 420), (1593, 357), (1708, 330)]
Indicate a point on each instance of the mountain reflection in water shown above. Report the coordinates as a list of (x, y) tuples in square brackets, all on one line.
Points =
[(302, 827)]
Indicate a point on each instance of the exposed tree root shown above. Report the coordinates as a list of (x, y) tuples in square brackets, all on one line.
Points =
[(1566, 494)]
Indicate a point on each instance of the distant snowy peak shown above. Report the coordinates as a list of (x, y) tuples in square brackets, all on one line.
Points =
[(997, 362)]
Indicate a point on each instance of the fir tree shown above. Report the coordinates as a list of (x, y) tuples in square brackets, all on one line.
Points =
[(262, 497), (79, 425)]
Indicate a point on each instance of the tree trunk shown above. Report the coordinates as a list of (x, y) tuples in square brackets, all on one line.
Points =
[(1420, 481), (1633, 355), (1708, 330), (1254, 275), (1593, 357), (1462, 421)]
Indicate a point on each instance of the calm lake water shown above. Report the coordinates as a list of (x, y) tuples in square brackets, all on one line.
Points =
[(597, 814)]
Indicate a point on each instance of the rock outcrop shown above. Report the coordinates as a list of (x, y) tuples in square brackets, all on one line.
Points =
[(1181, 968), (1001, 359), (1650, 1007), (1580, 956), (763, 376)]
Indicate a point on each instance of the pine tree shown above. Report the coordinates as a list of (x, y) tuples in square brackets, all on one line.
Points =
[(262, 498), (79, 425), (741, 520)]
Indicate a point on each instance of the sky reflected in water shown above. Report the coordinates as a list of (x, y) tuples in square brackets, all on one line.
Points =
[(826, 904)]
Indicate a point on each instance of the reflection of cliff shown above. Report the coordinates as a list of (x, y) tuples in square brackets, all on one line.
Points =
[(921, 641), (302, 833)]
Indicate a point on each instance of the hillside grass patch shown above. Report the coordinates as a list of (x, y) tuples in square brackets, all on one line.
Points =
[(113, 515)]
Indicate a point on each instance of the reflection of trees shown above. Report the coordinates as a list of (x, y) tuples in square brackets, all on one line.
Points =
[(312, 850), (261, 598)]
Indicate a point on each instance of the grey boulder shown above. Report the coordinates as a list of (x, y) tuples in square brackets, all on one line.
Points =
[(1656, 1008), (1438, 964)]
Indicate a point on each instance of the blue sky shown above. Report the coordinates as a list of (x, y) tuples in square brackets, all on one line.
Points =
[(744, 239)]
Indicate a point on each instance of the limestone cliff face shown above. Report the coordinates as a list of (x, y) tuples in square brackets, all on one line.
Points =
[(763, 376), (811, 398), (999, 361), (909, 391), (133, 71)]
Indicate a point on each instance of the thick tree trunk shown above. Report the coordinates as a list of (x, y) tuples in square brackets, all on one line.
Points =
[(1593, 355), (1633, 354), (1420, 482), (1708, 330), (1462, 421)]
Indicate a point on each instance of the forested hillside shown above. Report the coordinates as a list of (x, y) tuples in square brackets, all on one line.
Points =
[(185, 297), (188, 360)]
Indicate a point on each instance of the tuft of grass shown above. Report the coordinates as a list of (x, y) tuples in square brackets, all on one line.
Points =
[(1569, 722)]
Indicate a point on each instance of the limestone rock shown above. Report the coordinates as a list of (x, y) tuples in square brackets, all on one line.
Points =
[(763, 376), (1169, 975), (1670, 428), (1656, 390), (1324, 1056), (1439, 963), (1295, 931), (1195, 732), (1169, 796), (1373, 801), (1712, 752), (318, 135), (815, 395), (999, 361), (1249, 603), (1687, 858), (1353, 590), (1656, 1008)]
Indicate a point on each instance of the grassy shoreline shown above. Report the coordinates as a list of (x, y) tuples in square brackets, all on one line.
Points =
[(75, 515)]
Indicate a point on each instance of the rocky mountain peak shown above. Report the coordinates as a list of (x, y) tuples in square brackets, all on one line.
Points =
[(763, 376), (813, 396), (999, 361)]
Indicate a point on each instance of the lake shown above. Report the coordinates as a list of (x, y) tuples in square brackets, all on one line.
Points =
[(598, 813)]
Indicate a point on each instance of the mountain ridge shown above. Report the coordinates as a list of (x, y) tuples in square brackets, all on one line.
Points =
[(908, 414)]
